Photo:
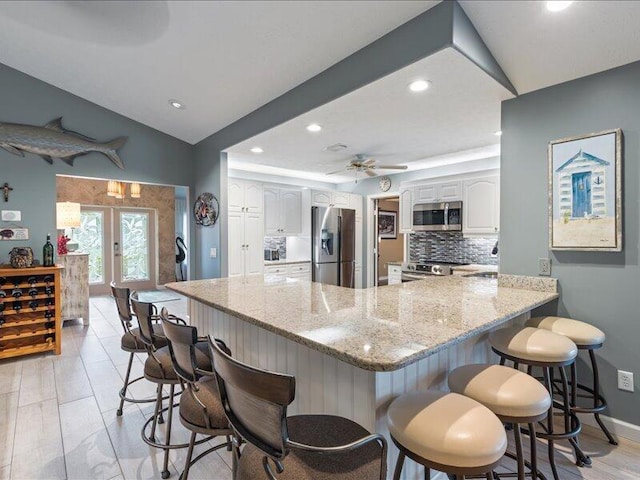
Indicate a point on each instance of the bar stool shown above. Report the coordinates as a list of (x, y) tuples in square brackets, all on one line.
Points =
[(540, 348), (158, 369), (130, 341), (200, 410), (447, 432), (513, 396), (586, 337), (309, 447)]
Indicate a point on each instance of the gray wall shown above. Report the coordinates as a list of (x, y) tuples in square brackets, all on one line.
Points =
[(149, 155), (600, 288)]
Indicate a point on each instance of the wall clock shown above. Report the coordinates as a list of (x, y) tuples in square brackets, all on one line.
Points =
[(206, 210), (385, 184)]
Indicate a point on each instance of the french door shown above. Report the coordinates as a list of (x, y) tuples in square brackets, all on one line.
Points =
[(121, 243)]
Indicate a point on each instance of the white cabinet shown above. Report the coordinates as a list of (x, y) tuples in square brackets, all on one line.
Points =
[(406, 210), (244, 196), (295, 270), (438, 192), (394, 275), (282, 212), (358, 276), (246, 233), (326, 198), (481, 206)]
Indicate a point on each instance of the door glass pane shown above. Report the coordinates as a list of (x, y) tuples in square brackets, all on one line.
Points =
[(90, 240), (134, 229)]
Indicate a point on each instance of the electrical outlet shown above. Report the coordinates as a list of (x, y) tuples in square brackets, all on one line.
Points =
[(544, 266), (625, 381)]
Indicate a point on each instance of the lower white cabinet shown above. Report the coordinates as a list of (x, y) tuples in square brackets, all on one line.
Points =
[(294, 270), (394, 275), (246, 249), (358, 276)]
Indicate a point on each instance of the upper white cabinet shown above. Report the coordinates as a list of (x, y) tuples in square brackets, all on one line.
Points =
[(481, 206), (406, 210), (244, 196), (282, 212), (439, 192), (325, 198)]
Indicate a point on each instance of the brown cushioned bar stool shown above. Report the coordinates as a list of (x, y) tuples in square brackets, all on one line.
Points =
[(158, 369), (586, 337), (300, 447), (200, 409), (447, 432), (130, 342), (540, 348), (513, 396)]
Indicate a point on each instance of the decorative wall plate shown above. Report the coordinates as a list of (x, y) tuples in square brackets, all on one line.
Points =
[(206, 210)]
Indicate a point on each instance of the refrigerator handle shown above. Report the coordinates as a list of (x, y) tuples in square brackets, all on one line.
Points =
[(339, 251)]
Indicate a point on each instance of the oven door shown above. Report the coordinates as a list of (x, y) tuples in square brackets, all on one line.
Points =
[(435, 217)]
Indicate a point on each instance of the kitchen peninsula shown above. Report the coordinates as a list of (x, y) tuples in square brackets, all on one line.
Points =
[(352, 351)]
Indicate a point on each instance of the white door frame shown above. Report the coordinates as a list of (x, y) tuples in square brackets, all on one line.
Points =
[(371, 235), (109, 236)]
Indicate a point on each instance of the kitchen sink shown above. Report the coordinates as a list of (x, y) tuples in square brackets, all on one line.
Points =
[(483, 274)]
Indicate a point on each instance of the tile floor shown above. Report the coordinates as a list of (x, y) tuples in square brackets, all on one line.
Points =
[(58, 420)]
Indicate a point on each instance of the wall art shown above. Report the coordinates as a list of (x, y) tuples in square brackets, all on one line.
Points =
[(585, 192)]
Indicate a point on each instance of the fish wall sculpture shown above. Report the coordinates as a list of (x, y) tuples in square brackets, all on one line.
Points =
[(53, 141)]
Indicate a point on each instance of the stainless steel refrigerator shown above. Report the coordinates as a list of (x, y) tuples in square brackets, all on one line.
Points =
[(333, 236)]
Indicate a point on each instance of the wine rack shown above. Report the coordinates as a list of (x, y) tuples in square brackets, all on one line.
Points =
[(30, 310)]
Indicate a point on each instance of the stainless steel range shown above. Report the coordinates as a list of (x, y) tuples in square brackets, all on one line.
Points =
[(417, 271)]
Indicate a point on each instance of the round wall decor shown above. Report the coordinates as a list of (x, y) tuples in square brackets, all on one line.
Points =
[(206, 210)]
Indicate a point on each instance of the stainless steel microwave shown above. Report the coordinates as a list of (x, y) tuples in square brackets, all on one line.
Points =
[(437, 217)]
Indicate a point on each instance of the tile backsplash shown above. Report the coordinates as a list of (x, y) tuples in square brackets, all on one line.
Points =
[(451, 247), (277, 243)]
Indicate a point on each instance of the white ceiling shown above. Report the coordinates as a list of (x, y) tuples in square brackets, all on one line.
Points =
[(223, 59), (537, 48), (459, 112)]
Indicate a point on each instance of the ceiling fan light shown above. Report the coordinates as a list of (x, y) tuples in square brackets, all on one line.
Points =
[(558, 5)]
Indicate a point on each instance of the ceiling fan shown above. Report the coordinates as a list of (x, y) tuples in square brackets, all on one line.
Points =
[(366, 164)]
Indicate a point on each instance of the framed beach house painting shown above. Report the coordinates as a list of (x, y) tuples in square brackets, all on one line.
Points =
[(585, 192)]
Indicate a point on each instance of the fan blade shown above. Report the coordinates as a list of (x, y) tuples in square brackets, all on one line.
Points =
[(391, 167), (337, 171), (370, 172), (369, 161)]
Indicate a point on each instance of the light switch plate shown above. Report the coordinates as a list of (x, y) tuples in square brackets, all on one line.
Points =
[(11, 215), (213, 252)]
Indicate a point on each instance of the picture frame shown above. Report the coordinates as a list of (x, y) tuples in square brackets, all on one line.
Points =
[(387, 224), (585, 192)]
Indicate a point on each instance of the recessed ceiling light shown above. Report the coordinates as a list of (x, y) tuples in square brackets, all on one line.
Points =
[(314, 127), (177, 104), (257, 150), (558, 5), (419, 85), (498, 133)]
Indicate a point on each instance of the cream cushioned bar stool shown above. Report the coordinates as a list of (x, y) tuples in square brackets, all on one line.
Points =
[(447, 432), (586, 337), (535, 347), (513, 396)]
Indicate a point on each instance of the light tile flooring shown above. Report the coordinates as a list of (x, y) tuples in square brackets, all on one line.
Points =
[(58, 420)]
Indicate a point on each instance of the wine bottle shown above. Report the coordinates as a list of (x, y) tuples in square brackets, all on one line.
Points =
[(16, 292), (17, 306), (33, 291), (47, 252), (33, 304)]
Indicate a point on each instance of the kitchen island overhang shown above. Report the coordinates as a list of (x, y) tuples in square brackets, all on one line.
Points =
[(353, 351)]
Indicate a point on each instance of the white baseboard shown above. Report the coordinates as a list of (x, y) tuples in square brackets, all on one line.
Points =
[(618, 428)]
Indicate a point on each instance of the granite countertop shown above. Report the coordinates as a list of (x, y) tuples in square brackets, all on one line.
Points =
[(269, 263), (381, 328)]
